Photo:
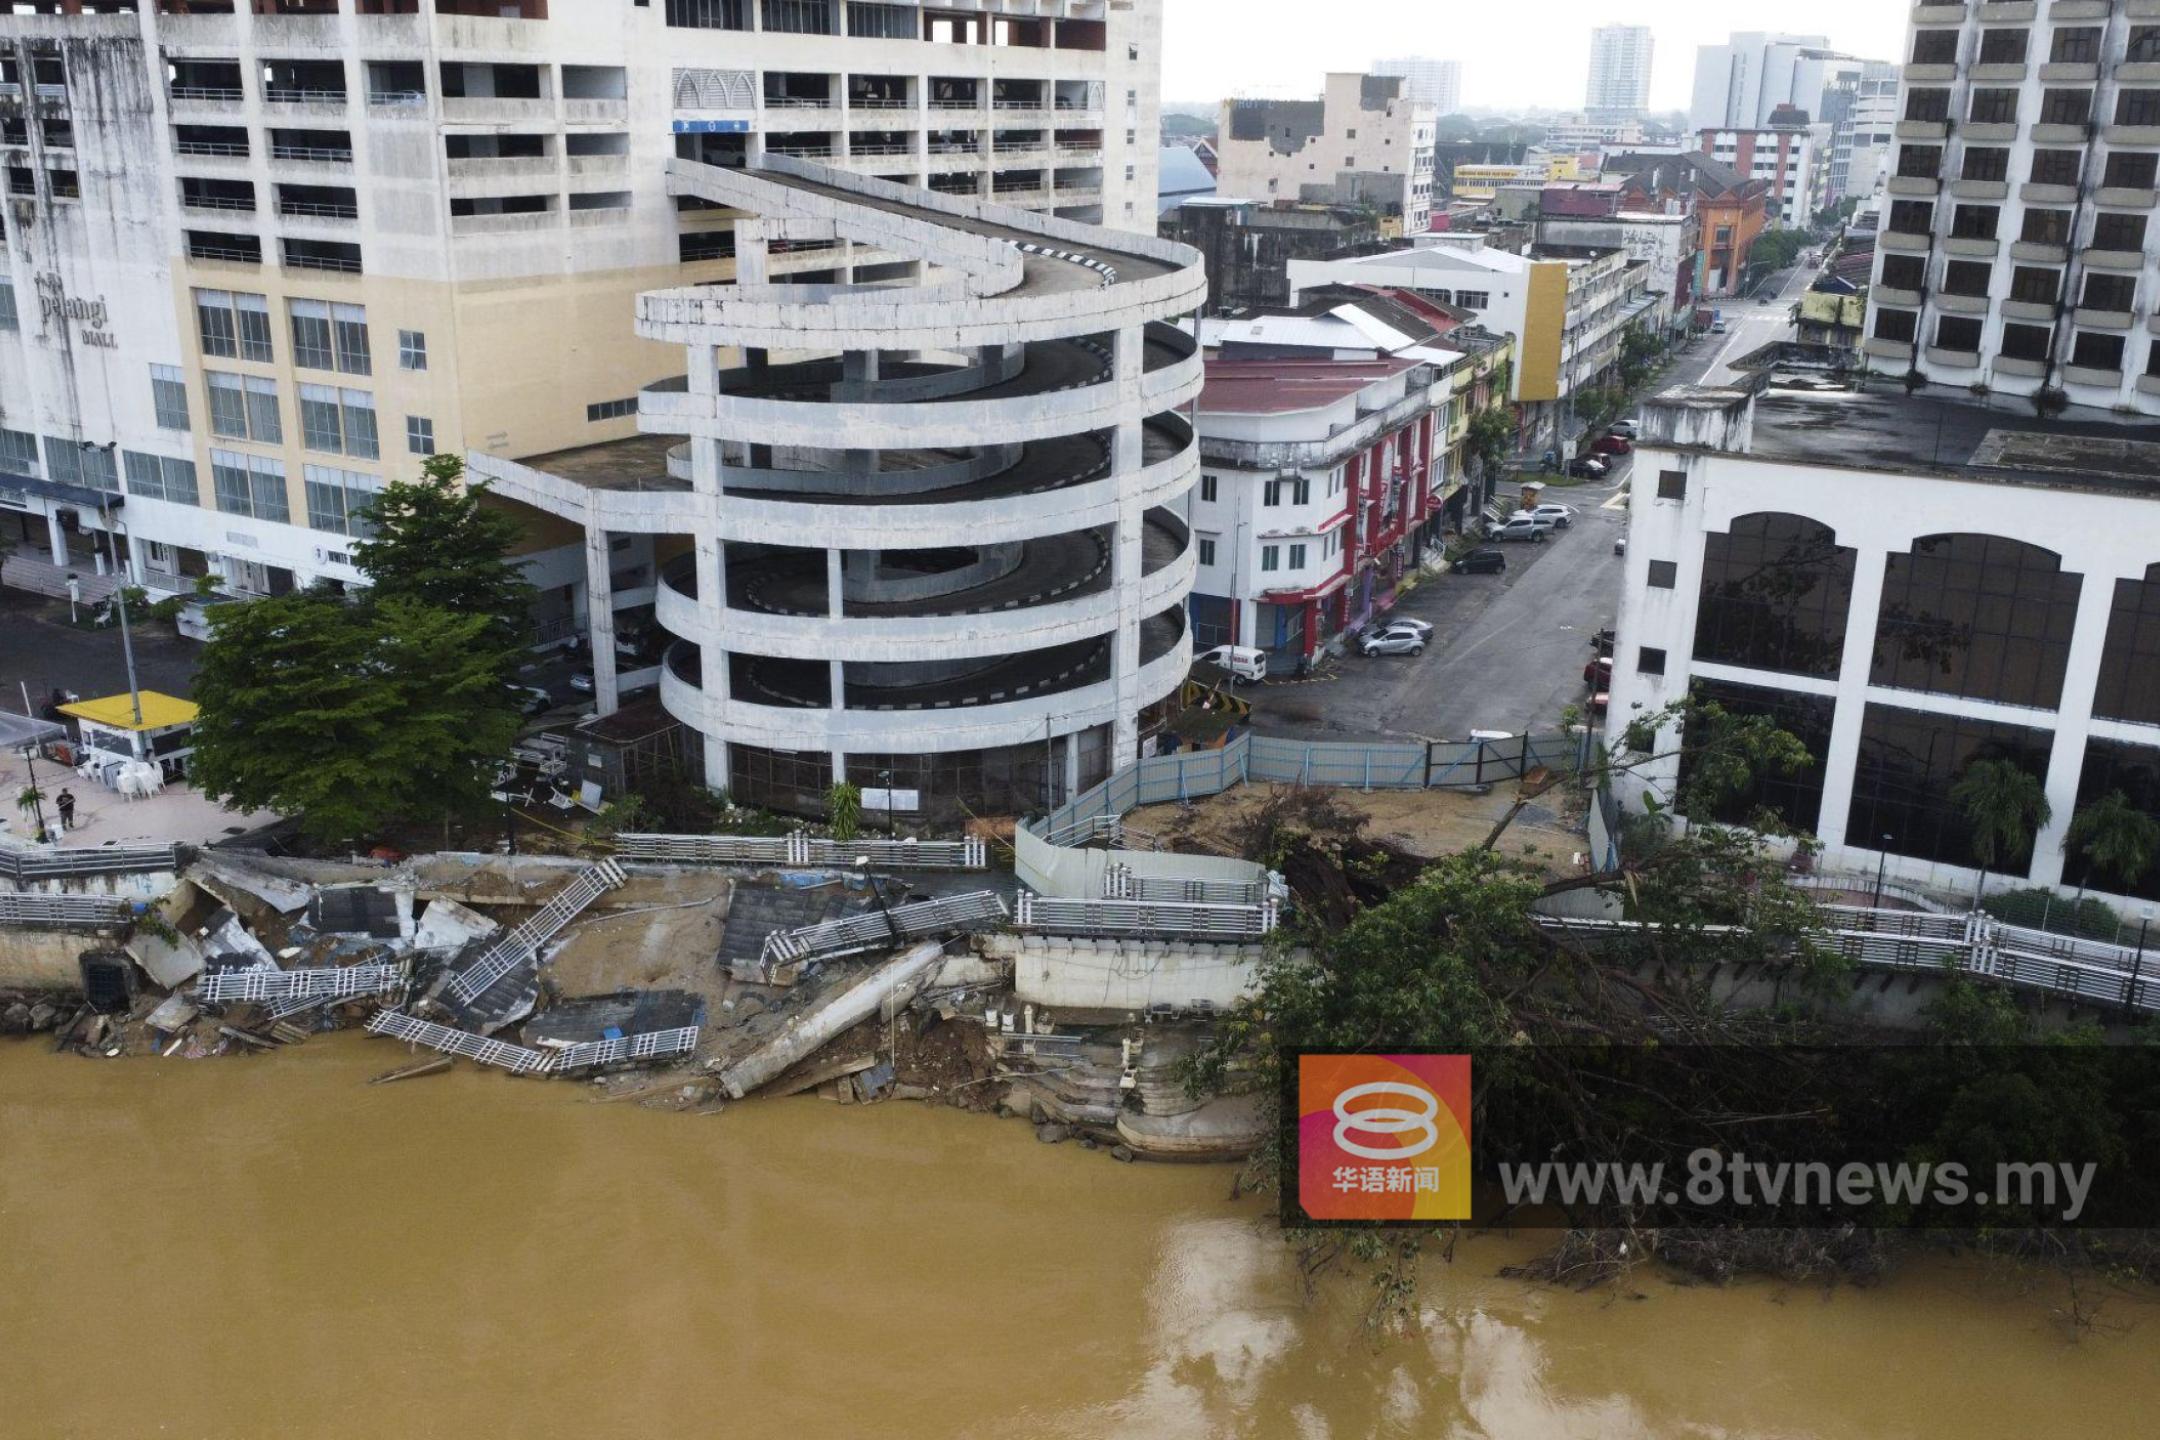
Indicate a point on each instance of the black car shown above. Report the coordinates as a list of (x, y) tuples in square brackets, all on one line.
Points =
[(1583, 467), (1482, 562)]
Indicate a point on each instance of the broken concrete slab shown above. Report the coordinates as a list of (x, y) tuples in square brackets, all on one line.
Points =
[(446, 925), (831, 1015), (175, 1014), (380, 912)]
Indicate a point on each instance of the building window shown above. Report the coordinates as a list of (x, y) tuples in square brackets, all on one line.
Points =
[(2057, 167), (1649, 661), (1473, 299), (18, 453), (1904, 272), (2115, 231), (1912, 217), (2098, 352), (2026, 342), (168, 396), (1776, 592), (335, 500), (1924, 162), (1986, 163), (1207, 551), (2107, 291), (2065, 107), (1975, 222), (2144, 46), (161, 477), (2075, 45), (2002, 46), (1994, 107), (244, 407), (412, 349), (1960, 333), (2130, 170), (1982, 616), (1967, 277), (9, 319), (1796, 798), (610, 410), (1207, 488), (1270, 557), (1908, 765), (2046, 227), (1672, 485), (1297, 557), (2129, 687), (338, 422), (1929, 106), (249, 485), (2110, 766), (2137, 107), (72, 462), (1664, 574), (419, 435), (1934, 47), (2034, 286), (799, 17), (330, 337), (233, 327)]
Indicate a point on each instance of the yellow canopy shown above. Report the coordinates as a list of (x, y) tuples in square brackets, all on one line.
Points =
[(116, 712)]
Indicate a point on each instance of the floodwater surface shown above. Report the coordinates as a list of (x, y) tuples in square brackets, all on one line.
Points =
[(267, 1247)]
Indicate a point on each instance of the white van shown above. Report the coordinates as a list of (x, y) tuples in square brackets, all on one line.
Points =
[(1245, 666)]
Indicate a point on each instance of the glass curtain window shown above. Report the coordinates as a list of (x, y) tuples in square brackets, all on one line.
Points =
[(1982, 616), (168, 397)]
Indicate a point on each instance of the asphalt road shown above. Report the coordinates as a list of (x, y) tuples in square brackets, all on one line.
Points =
[(39, 648), (1749, 326), (1508, 650)]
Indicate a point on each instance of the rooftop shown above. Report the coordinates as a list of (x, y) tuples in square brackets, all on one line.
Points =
[(1279, 387), (1807, 414), (117, 712), (635, 462)]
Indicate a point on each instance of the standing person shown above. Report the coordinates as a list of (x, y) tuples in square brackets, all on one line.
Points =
[(66, 802)]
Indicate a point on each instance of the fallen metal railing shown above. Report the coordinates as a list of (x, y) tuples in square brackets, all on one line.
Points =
[(878, 929), (1051, 916), (41, 864), (523, 944), (319, 985), (650, 1045), (515, 1058)]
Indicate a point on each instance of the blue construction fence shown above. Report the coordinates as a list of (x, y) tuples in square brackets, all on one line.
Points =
[(1436, 765)]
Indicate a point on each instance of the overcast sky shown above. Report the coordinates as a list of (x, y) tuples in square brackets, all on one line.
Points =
[(1514, 52)]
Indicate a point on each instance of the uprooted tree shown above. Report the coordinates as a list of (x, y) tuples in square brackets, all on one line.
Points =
[(1455, 958)]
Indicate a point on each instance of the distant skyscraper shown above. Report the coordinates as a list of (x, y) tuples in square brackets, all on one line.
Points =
[(1740, 83), (1437, 83), (1619, 71)]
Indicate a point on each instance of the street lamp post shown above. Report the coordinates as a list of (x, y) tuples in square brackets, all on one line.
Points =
[(2137, 965), (1882, 866)]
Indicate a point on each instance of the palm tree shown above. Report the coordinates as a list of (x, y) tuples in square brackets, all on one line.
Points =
[(2117, 839), (2006, 806)]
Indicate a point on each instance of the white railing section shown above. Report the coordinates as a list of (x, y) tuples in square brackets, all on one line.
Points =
[(43, 864), (523, 944), (799, 850), (885, 927), (651, 1045), (515, 1058), (1120, 883), (1049, 916), (35, 910), (342, 983)]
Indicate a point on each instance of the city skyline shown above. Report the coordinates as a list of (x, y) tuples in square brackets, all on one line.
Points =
[(1536, 55)]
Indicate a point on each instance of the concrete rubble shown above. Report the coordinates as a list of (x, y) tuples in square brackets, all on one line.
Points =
[(658, 986)]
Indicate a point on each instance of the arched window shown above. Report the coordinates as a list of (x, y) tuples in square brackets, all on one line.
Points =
[(1982, 616), (1775, 592), (2130, 665)]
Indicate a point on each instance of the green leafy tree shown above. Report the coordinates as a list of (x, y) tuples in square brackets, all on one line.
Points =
[(1489, 438), (843, 808), (1638, 358), (434, 541), (355, 717), (2006, 806), (2118, 840)]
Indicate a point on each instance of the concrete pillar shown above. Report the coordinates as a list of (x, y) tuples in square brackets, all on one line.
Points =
[(718, 776), (1852, 701), (1072, 766), (835, 582), (600, 620), (56, 536), (2073, 726), (1128, 561), (712, 608)]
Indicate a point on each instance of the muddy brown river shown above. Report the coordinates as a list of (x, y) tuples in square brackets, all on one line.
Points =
[(268, 1247)]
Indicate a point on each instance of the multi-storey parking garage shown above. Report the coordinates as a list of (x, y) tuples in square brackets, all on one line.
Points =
[(925, 532)]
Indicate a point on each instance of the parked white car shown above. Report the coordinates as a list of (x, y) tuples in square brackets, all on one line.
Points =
[(1245, 665), (1420, 628), (1626, 429), (1562, 516), (1522, 525), (1392, 641)]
